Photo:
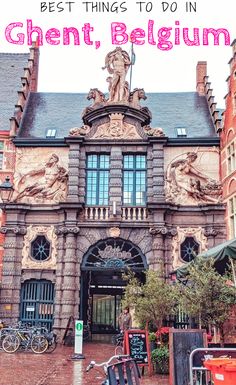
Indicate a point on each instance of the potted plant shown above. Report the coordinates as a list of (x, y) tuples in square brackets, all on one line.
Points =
[(153, 340), (160, 357)]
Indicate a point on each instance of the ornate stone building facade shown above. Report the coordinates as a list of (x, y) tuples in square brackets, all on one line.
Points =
[(135, 184), (227, 137)]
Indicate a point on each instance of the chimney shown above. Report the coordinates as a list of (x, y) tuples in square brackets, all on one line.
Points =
[(201, 73)]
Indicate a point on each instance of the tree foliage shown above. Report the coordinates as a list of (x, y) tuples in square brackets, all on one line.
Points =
[(153, 301), (207, 295)]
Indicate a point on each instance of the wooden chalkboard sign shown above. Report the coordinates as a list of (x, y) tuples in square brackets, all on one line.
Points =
[(181, 343), (137, 346)]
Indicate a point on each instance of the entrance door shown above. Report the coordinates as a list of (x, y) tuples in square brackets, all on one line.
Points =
[(105, 311), (102, 283), (37, 298)]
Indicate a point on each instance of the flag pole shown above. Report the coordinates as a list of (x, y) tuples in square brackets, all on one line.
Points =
[(131, 66)]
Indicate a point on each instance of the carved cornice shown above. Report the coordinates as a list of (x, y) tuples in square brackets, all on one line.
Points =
[(14, 229), (163, 230), (67, 230)]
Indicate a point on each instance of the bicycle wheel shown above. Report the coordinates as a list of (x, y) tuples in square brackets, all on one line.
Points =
[(11, 343), (39, 344), (51, 346), (119, 350)]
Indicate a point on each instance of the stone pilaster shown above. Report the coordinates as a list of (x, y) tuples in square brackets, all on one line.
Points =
[(73, 180), (82, 175), (69, 273), (149, 175), (158, 172), (11, 274), (115, 191)]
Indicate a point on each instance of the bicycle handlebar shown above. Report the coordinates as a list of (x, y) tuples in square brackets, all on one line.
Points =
[(105, 364), (90, 366)]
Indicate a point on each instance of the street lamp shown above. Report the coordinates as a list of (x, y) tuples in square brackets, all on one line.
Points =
[(6, 190)]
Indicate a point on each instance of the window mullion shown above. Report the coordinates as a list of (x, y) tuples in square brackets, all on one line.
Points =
[(134, 182), (97, 187)]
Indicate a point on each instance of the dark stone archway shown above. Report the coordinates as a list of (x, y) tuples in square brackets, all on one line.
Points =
[(102, 282)]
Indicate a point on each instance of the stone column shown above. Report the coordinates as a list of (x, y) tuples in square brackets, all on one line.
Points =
[(115, 191), (59, 282), (11, 274), (73, 180), (158, 247), (79, 258), (69, 273)]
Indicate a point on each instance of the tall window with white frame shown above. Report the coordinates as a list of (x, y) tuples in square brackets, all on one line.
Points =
[(232, 216), (231, 158), (134, 180), (97, 180)]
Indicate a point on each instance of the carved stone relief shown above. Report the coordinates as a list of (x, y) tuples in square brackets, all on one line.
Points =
[(79, 131), (114, 232), (32, 232), (182, 233), (116, 129), (157, 131), (40, 176), (189, 181)]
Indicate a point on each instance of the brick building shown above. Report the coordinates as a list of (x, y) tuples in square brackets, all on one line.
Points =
[(227, 137), (134, 183), (18, 76)]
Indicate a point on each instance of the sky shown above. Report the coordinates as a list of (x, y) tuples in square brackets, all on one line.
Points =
[(77, 68)]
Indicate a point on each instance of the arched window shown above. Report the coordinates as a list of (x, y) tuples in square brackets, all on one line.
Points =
[(40, 248), (189, 249)]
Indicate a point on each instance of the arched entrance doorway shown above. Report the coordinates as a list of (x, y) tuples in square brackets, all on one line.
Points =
[(102, 284)]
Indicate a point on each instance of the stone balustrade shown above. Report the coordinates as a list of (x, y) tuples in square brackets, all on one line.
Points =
[(97, 213), (104, 213), (134, 213)]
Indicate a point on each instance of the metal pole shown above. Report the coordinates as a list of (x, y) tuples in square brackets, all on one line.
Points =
[(131, 67), (233, 270)]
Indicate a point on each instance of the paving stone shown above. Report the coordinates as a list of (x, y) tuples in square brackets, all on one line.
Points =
[(57, 368)]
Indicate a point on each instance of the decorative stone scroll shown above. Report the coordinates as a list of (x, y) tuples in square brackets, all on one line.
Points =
[(163, 230), (116, 129), (32, 232), (16, 230), (197, 233), (67, 230)]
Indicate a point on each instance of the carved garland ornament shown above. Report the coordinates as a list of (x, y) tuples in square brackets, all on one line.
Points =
[(32, 232), (182, 233)]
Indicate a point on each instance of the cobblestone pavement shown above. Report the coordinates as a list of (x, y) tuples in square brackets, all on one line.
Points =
[(57, 368)]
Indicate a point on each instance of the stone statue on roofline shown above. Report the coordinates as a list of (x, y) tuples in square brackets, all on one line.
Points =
[(117, 63)]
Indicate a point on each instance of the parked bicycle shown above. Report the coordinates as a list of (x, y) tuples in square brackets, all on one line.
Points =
[(51, 338), (25, 338), (119, 369), (118, 341)]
